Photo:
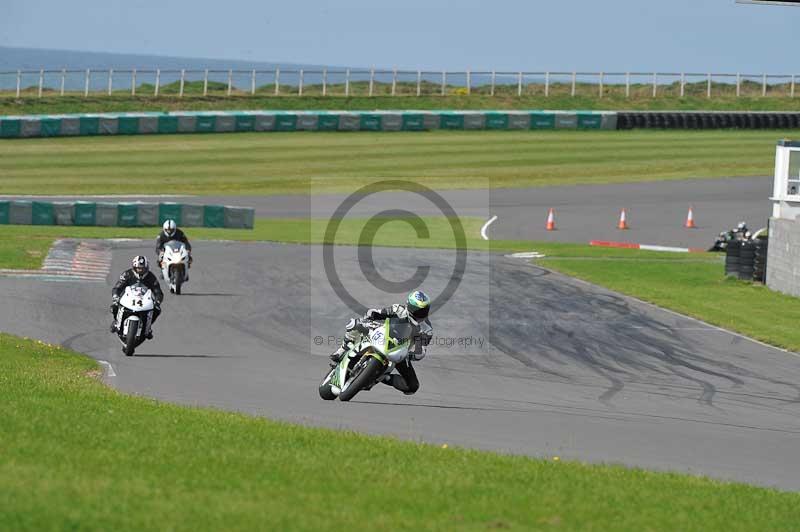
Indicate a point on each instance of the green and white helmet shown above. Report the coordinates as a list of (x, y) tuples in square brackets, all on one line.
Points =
[(418, 305)]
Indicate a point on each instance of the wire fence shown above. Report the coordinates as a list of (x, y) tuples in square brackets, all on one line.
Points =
[(398, 83)]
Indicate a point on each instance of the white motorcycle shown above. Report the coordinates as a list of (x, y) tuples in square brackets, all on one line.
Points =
[(175, 265), (376, 354), (134, 316)]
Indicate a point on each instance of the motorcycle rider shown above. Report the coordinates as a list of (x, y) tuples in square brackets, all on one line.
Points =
[(138, 273), (170, 231), (415, 311)]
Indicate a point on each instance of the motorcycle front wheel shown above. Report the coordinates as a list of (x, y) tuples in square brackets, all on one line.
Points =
[(368, 371), (130, 339)]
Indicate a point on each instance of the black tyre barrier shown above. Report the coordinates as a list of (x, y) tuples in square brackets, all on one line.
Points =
[(624, 121), (700, 120), (732, 258), (760, 263), (747, 257)]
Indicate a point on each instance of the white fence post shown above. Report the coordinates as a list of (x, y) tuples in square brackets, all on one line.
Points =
[(627, 84), (444, 81), (574, 81), (63, 80), (683, 84), (133, 82), (469, 82), (183, 80), (86, 84), (300, 87), (792, 87), (764, 86), (347, 83), (394, 81), (205, 83), (419, 82), (738, 84), (110, 80), (325, 81), (519, 84), (655, 84), (253, 82), (494, 75), (19, 81), (230, 81), (600, 79), (371, 80), (158, 81), (547, 84), (277, 81), (708, 88), (41, 81)]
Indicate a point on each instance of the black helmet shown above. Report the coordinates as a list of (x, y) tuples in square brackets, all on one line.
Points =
[(140, 266), (418, 305)]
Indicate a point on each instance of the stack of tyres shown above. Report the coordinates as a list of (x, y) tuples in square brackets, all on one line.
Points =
[(747, 259), (760, 264), (732, 258)]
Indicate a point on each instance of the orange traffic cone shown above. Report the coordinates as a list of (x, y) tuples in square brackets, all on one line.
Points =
[(690, 220), (623, 221), (551, 220)]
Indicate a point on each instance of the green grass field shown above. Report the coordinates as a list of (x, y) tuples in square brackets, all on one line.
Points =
[(299, 163), (77, 455), (25, 246)]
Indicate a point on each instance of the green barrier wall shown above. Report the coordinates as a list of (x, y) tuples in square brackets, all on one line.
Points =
[(230, 121), (127, 215), (87, 213)]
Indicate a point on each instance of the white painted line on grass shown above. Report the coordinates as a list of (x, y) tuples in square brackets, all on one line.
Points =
[(489, 222), (110, 371)]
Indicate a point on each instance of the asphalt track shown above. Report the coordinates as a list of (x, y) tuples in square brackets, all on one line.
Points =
[(656, 211), (565, 368)]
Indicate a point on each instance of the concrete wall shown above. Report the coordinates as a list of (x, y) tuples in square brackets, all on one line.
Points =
[(783, 256)]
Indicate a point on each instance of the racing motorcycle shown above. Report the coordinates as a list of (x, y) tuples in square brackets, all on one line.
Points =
[(175, 265), (385, 344), (134, 316)]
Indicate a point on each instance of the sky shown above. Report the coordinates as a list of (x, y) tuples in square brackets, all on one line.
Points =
[(531, 35)]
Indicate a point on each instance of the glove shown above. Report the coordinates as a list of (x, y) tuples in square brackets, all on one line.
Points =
[(191, 259), (371, 313)]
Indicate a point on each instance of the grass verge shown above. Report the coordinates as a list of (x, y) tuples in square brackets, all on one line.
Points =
[(76, 454), (303, 162), (641, 99), (25, 246)]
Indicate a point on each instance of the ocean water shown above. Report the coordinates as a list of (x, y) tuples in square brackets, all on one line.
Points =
[(76, 63)]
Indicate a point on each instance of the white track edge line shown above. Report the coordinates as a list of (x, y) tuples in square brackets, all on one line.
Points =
[(489, 222), (110, 371)]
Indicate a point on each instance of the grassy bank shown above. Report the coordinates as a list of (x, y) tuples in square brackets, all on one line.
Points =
[(78, 455), (217, 100), (299, 163), (25, 246)]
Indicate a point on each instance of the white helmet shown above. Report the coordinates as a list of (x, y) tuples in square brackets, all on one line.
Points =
[(169, 227), (140, 266)]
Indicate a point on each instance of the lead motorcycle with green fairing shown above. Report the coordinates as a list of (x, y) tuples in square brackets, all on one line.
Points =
[(385, 344)]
